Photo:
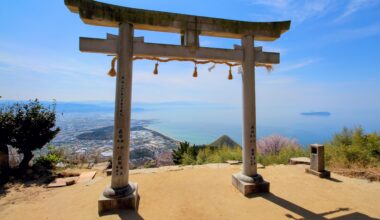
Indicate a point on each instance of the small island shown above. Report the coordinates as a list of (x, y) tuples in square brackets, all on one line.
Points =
[(312, 113)]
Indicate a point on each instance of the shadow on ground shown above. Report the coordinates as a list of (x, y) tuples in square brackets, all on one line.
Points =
[(334, 180), (125, 214), (30, 177), (307, 214)]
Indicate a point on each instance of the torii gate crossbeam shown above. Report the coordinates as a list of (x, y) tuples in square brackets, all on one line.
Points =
[(109, 46), (122, 193)]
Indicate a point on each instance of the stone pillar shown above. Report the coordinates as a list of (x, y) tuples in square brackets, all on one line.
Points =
[(121, 193), (248, 181), (122, 123), (249, 107)]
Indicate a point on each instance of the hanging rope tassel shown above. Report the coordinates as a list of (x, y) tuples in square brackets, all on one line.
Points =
[(195, 73), (112, 71), (155, 71), (269, 67), (230, 77)]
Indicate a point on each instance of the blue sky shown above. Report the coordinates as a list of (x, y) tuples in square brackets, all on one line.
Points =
[(329, 57)]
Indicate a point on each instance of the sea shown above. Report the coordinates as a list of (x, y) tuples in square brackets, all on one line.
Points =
[(202, 123)]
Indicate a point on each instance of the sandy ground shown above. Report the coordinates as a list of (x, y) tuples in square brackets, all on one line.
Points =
[(205, 192)]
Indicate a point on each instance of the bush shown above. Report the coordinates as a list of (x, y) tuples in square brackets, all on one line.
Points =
[(353, 148), (350, 148), (49, 160), (188, 159), (282, 157), (28, 127), (178, 153), (190, 155)]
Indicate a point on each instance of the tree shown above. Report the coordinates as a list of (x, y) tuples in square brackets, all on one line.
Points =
[(6, 126), (274, 143), (34, 126), (179, 152)]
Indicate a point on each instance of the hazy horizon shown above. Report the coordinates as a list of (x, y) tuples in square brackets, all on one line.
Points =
[(201, 123)]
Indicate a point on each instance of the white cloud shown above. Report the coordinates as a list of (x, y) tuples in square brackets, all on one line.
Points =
[(354, 6), (45, 64), (353, 33), (286, 67), (296, 10)]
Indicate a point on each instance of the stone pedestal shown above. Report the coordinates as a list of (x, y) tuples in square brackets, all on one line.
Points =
[(109, 172), (112, 204), (257, 186)]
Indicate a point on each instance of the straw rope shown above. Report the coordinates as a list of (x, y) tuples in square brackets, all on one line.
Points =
[(112, 71)]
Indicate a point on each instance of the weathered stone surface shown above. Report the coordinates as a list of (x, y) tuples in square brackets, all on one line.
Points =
[(113, 204), (59, 182), (317, 161), (317, 157), (109, 172), (299, 160), (102, 14), (86, 176), (321, 174), (233, 162), (250, 188)]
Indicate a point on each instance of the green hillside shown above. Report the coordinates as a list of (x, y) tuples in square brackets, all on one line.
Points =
[(224, 141)]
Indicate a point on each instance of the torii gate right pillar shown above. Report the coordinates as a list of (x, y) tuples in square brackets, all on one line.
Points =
[(249, 181)]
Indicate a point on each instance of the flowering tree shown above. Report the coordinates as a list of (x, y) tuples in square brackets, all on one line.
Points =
[(274, 143)]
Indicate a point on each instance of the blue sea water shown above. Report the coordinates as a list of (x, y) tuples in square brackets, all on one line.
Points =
[(203, 123)]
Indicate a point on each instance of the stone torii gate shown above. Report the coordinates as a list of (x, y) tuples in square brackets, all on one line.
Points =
[(122, 193)]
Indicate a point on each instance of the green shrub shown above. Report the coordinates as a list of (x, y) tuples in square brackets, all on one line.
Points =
[(350, 148), (282, 157), (49, 160), (353, 148), (177, 154), (189, 155), (188, 159), (150, 164), (218, 155)]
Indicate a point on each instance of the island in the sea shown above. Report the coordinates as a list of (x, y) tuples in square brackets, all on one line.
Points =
[(312, 113)]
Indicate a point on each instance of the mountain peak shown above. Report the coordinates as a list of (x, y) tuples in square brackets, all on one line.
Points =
[(224, 140)]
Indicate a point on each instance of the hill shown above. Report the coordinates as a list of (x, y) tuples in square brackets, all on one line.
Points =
[(106, 133), (146, 144), (224, 140)]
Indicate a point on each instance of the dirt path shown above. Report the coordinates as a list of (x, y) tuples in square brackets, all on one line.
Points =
[(205, 192)]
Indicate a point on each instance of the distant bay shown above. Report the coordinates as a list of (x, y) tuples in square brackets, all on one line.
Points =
[(201, 123)]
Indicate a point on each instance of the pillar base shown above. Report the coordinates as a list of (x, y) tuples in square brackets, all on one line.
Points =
[(321, 174), (109, 172), (112, 204), (248, 188)]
